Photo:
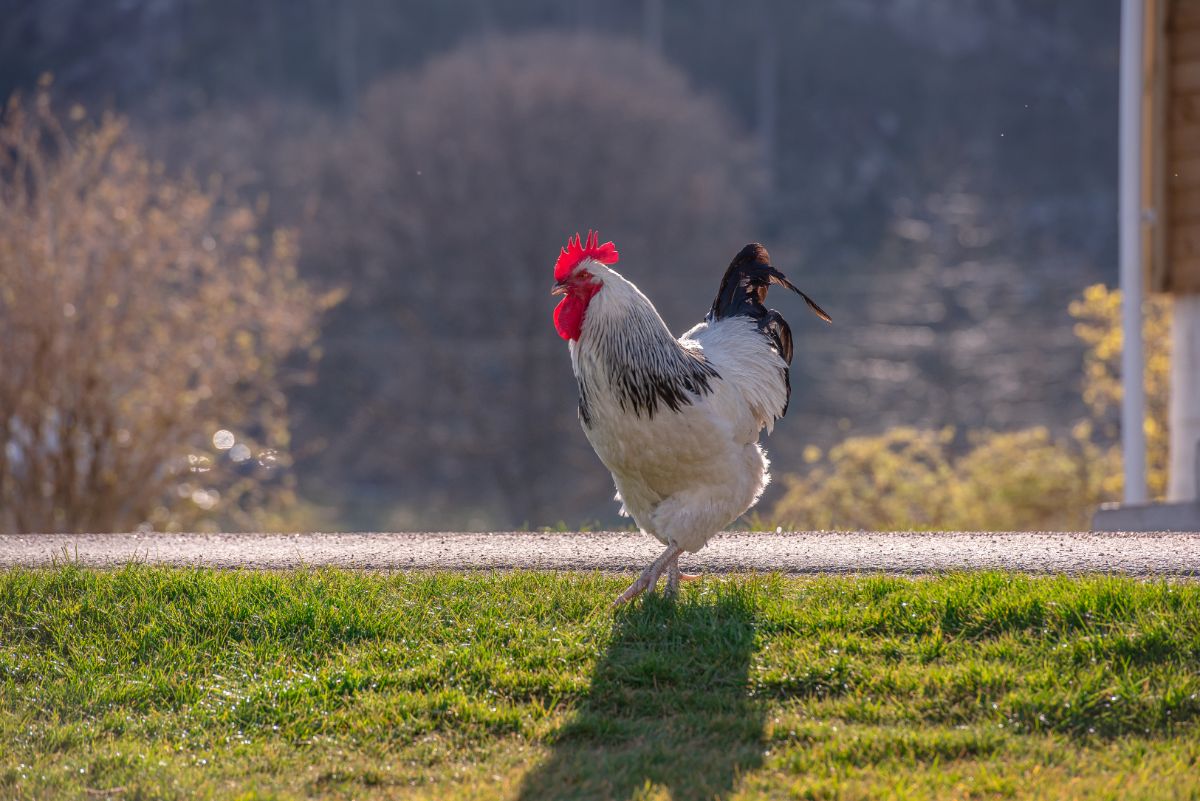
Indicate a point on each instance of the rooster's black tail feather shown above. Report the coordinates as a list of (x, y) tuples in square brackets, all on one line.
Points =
[(744, 291)]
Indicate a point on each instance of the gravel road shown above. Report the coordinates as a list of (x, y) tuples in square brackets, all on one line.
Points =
[(1167, 554)]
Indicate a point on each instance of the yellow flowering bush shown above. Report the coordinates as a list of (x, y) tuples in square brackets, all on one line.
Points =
[(909, 478), (1098, 324)]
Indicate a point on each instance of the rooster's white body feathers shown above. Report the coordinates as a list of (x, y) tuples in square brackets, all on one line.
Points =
[(677, 421)]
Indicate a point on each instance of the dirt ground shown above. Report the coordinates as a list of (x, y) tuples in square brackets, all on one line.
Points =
[(1166, 554)]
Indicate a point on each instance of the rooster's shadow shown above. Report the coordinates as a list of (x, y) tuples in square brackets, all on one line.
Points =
[(668, 706)]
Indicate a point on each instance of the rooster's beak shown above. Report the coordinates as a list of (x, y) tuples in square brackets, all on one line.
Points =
[(559, 289)]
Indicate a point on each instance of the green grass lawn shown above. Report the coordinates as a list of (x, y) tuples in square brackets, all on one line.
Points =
[(156, 683)]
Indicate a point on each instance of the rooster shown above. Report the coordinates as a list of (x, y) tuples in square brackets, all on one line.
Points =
[(676, 421)]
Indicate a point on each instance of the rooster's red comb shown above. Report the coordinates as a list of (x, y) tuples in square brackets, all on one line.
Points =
[(576, 251)]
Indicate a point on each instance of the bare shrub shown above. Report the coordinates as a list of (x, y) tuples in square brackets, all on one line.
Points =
[(144, 326)]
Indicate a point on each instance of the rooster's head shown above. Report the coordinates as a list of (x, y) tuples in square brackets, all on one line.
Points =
[(578, 276)]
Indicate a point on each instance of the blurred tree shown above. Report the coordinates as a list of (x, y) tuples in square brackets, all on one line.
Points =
[(444, 211), (269, 153), (145, 326)]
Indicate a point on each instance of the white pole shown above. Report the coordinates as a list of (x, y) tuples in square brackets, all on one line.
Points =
[(1133, 438), (1185, 398)]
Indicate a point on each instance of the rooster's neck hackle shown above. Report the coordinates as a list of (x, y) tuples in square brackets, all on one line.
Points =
[(626, 353)]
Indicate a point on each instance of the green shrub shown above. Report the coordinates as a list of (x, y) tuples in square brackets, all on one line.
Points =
[(908, 478)]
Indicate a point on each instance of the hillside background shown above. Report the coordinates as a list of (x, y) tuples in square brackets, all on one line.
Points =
[(938, 174)]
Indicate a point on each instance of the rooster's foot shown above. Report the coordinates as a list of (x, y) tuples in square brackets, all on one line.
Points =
[(675, 575), (650, 575)]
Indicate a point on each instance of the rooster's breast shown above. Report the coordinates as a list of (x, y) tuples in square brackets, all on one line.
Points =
[(708, 439)]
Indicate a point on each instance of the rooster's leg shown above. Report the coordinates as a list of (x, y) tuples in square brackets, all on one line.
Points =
[(675, 575), (649, 576)]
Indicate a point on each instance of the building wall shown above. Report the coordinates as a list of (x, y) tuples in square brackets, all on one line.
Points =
[(1181, 179)]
